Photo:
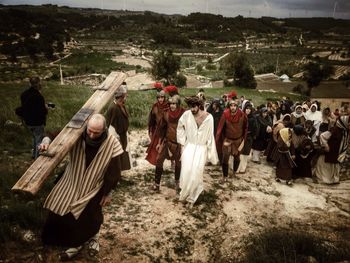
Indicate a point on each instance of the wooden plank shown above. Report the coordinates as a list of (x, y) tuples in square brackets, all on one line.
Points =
[(37, 173)]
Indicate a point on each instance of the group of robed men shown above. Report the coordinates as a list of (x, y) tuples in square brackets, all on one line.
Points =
[(184, 136)]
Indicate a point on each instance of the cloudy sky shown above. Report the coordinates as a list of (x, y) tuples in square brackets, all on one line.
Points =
[(252, 8)]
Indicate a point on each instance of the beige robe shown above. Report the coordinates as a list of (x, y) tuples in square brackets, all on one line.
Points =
[(79, 183)]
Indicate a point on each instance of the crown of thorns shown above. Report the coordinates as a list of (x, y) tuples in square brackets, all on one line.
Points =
[(194, 101)]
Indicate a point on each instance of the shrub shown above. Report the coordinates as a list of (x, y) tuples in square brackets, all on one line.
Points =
[(180, 80), (279, 245)]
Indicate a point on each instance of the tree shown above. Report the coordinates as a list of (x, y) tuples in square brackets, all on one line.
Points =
[(238, 67), (180, 80), (245, 78), (315, 73), (165, 65)]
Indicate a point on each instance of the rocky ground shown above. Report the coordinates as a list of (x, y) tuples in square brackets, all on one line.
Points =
[(142, 226)]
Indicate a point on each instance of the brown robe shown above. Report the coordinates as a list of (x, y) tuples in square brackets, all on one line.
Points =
[(283, 159), (118, 117), (66, 230), (167, 134), (232, 130), (154, 122)]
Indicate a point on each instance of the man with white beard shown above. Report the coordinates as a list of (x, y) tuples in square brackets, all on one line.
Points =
[(195, 134)]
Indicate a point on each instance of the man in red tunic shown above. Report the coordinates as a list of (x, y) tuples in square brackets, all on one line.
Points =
[(230, 136), (154, 121), (168, 147)]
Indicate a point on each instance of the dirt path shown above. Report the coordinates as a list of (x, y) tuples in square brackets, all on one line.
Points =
[(141, 226)]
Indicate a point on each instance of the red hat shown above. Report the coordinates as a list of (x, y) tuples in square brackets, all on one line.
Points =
[(232, 95), (171, 90), (158, 85)]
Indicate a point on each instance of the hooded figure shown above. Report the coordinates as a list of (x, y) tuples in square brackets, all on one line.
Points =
[(251, 134), (335, 143), (314, 115), (263, 134), (297, 116), (285, 156), (117, 119)]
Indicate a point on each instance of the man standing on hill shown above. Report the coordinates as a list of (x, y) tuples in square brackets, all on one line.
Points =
[(75, 203), (195, 134), (231, 133), (33, 111), (118, 118)]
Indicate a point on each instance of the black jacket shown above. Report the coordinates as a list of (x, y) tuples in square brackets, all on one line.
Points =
[(34, 108)]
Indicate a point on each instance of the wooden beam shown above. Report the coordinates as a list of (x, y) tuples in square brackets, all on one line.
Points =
[(37, 173)]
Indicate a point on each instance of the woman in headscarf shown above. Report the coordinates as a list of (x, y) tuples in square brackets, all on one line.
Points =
[(285, 156), (263, 134), (304, 152), (248, 142), (335, 143), (285, 109), (216, 110), (271, 147), (314, 115), (327, 120), (297, 117)]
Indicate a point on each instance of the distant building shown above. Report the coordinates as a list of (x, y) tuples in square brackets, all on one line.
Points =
[(284, 78), (332, 94)]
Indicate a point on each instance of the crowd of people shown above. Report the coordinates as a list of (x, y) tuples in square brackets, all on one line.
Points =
[(299, 138)]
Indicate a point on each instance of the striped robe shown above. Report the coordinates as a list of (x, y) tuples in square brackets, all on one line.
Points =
[(80, 184)]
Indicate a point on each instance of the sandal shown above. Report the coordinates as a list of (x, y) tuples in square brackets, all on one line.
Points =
[(69, 253), (177, 188), (155, 188), (93, 248), (223, 180)]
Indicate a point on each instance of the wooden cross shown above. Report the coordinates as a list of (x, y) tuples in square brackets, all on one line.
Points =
[(32, 180)]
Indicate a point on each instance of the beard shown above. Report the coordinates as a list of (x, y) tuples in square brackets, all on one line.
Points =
[(194, 111)]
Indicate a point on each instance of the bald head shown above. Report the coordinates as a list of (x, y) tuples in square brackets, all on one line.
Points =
[(96, 126)]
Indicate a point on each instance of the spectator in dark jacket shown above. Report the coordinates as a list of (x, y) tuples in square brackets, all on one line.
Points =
[(34, 111)]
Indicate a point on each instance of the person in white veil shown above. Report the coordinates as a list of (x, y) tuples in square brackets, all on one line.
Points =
[(314, 115)]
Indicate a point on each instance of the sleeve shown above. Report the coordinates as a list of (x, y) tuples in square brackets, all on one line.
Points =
[(180, 130), (109, 116), (324, 137), (151, 121), (245, 127), (221, 128), (161, 132), (112, 175), (117, 148), (254, 128), (212, 153)]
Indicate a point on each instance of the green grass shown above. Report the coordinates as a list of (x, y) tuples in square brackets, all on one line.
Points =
[(24, 212), (139, 103), (80, 63), (67, 98)]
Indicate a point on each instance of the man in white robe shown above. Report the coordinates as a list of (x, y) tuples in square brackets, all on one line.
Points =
[(195, 134)]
